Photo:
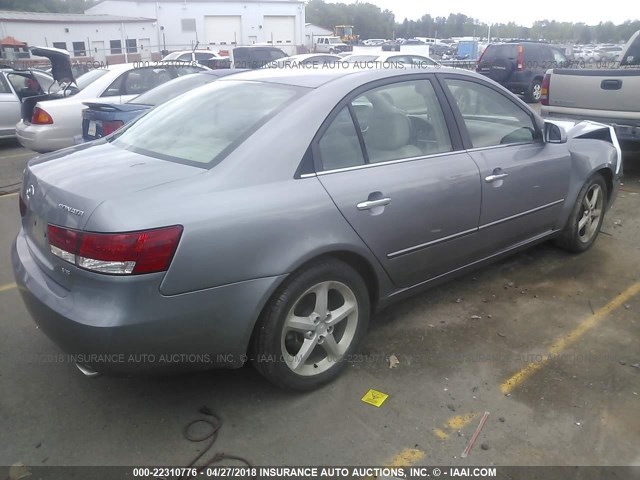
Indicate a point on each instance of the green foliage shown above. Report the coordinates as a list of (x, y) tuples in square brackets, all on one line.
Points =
[(52, 6), (370, 21)]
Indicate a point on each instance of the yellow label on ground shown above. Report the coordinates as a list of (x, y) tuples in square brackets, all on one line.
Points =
[(375, 398)]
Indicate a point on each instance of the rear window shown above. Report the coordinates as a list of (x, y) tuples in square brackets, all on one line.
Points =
[(632, 55), (202, 127), (90, 77), (494, 52)]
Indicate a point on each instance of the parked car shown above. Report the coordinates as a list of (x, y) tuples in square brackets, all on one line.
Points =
[(102, 119), (305, 59), (16, 85), (203, 57), (391, 46), (331, 45), (611, 54), (250, 57), (607, 95), (187, 235), (520, 67), (372, 42), (391, 57), (51, 122)]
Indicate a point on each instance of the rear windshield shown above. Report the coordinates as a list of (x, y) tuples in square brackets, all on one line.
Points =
[(202, 127), (83, 80), (494, 52), (172, 89)]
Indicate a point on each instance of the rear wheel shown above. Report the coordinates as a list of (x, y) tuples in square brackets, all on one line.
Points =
[(535, 91), (310, 325), (586, 217)]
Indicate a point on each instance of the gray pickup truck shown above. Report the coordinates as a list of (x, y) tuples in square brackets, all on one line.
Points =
[(607, 95)]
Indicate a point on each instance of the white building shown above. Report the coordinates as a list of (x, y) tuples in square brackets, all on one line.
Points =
[(216, 24), (97, 37)]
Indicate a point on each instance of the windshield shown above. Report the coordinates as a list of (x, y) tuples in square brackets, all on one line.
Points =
[(201, 127), (83, 80), (172, 89), (335, 40)]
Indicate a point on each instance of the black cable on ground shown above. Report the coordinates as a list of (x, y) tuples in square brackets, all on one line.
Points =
[(215, 424)]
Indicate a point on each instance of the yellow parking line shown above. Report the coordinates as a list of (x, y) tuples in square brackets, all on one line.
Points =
[(453, 424), (407, 457), (9, 195), (563, 342), (8, 286)]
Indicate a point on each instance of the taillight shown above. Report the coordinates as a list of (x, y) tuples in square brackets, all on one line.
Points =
[(544, 89), (520, 62), (482, 55), (22, 206), (129, 253), (40, 117), (111, 126)]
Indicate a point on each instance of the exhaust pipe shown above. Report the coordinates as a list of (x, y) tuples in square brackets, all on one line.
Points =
[(87, 371)]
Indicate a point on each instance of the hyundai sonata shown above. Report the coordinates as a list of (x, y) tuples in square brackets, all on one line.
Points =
[(265, 216)]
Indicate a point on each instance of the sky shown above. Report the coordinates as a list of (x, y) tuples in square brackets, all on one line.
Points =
[(518, 11)]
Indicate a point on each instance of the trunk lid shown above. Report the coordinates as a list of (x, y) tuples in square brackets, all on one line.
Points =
[(64, 188), (60, 63), (597, 89)]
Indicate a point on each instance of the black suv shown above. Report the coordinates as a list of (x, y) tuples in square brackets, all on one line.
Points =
[(520, 67)]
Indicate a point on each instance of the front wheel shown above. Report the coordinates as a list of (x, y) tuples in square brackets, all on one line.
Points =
[(586, 217), (311, 325)]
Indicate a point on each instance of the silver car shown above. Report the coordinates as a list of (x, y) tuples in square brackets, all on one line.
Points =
[(15, 86), (266, 216)]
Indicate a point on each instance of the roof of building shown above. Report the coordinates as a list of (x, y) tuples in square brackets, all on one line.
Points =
[(42, 17), (196, 1), (11, 42)]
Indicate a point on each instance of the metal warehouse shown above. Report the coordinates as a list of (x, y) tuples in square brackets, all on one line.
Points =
[(217, 24), (98, 37)]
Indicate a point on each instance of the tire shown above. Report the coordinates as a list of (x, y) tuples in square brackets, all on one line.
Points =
[(534, 92), (332, 51), (581, 232), (297, 345)]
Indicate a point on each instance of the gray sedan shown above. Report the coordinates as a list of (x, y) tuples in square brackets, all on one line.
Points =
[(266, 216)]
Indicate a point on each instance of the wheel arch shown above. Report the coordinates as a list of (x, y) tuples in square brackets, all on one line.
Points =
[(355, 260)]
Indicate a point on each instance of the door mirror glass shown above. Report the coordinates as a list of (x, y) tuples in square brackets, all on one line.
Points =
[(554, 133)]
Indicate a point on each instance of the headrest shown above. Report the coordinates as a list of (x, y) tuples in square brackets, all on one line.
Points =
[(388, 131)]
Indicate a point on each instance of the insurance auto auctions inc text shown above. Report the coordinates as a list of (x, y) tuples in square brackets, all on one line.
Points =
[(370, 472)]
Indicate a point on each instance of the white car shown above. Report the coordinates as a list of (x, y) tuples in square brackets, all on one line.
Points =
[(198, 56), (55, 121), (304, 60), (376, 59)]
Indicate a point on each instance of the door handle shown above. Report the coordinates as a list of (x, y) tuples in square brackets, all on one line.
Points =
[(497, 176), (381, 202), (611, 84)]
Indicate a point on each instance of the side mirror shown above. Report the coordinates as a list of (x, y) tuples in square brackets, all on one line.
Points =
[(554, 133)]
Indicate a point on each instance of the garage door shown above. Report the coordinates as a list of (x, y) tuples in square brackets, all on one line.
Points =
[(280, 29), (223, 29)]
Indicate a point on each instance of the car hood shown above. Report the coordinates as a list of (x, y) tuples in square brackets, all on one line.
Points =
[(587, 129), (60, 63)]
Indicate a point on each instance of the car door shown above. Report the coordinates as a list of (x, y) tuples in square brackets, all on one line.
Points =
[(9, 108), (401, 179), (524, 180)]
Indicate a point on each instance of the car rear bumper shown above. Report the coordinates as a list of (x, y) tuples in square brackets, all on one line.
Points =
[(41, 138), (127, 326)]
